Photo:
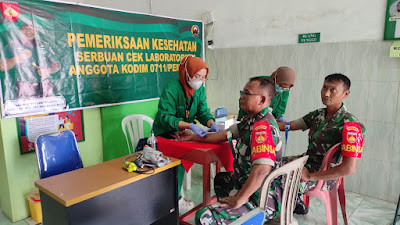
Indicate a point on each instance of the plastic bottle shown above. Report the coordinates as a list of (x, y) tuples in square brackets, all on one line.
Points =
[(152, 141)]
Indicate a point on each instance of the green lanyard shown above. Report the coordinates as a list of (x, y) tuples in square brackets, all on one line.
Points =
[(187, 108)]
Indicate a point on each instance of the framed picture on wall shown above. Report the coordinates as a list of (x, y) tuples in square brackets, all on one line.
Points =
[(392, 20), (30, 127)]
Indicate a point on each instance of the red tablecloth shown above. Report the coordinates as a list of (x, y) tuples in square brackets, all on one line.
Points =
[(177, 149)]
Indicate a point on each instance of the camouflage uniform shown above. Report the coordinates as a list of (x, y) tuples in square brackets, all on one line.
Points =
[(324, 133), (228, 184), (28, 82)]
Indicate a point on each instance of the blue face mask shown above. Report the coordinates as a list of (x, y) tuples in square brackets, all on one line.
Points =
[(278, 89)]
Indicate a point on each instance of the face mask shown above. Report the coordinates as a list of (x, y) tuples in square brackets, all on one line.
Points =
[(278, 89), (195, 84)]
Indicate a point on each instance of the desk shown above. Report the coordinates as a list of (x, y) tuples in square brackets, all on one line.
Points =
[(200, 155), (105, 194)]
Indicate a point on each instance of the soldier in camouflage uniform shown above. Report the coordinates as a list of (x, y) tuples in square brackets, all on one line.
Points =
[(29, 63), (257, 152), (327, 127)]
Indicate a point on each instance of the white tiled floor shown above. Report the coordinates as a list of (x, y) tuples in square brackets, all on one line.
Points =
[(361, 210)]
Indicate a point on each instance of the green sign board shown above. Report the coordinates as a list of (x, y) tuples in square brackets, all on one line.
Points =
[(392, 20), (308, 38), (61, 57)]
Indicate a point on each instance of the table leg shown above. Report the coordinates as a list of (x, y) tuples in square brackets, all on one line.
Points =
[(206, 184)]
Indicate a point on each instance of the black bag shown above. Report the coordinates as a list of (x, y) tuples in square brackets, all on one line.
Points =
[(142, 142)]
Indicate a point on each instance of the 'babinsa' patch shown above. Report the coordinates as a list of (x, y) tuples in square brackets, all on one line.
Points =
[(262, 143), (352, 140)]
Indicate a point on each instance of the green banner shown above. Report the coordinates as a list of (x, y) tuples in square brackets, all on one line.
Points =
[(59, 57), (392, 20)]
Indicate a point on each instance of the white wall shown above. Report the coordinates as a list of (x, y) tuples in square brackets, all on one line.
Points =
[(265, 22)]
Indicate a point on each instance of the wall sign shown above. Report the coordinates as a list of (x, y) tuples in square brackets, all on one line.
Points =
[(392, 20), (308, 38), (31, 127), (59, 57)]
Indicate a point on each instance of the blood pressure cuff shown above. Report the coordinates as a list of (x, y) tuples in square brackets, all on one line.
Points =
[(352, 140), (262, 143)]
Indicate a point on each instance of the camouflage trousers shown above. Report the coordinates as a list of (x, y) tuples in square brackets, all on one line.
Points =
[(306, 186), (225, 185), (26, 90)]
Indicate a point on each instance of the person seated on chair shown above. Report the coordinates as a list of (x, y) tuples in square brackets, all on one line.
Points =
[(327, 127), (283, 79), (257, 152), (181, 102)]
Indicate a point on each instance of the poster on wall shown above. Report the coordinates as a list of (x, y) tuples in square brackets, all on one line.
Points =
[(392, 20), (31, 127), (59, 57)]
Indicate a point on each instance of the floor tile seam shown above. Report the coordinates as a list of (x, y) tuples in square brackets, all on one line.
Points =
[(356, 207), (388, 202), (369, 222)]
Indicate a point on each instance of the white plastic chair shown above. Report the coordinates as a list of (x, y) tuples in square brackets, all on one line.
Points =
[(291, 173), (134, 125)]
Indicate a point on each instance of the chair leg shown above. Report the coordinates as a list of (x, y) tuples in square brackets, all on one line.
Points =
[(330, 200), (342, 200), (212, 174)]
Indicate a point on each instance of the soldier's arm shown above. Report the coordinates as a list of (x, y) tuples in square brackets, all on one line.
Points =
[(352, 143), (253, 182), (282, 125), (257, 175), (348, 167), (9, 63)]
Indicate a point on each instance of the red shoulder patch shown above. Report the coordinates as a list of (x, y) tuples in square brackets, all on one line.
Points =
[(262, 143), (352, 140)]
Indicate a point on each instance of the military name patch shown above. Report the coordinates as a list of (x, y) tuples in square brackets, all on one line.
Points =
[(262, 143), (352, 140)]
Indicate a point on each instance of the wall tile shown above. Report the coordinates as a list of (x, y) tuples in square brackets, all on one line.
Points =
[(358, 60), (373, 178), (378, 141), (298, 142), (332, 60), (398, 107), (357, 101), (394, 183), (395, 151), (305, 97), (309, 55), (384, 68), (382, 101), (352, 182)]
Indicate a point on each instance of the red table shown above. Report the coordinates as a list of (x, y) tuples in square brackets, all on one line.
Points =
[(200, 153)]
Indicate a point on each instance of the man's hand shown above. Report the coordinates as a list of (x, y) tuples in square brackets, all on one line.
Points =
[(43, 72), (215, 128), (305, 174), (231, 202), (185, 135)]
